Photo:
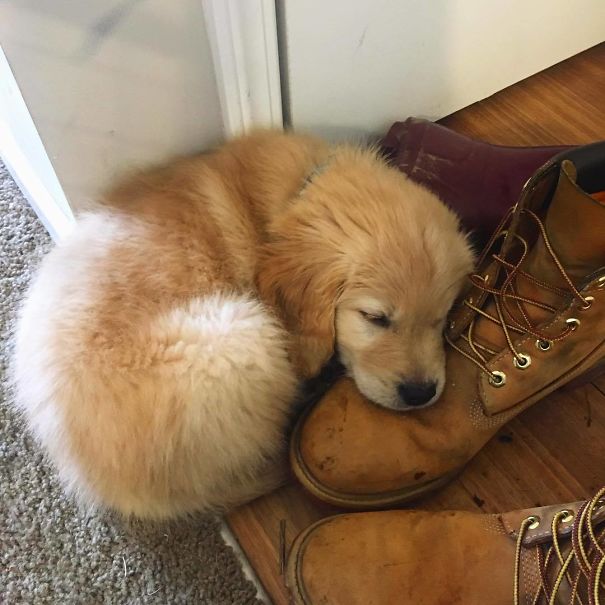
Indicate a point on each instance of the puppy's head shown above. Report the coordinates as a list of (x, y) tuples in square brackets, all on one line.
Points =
[(368, 263)]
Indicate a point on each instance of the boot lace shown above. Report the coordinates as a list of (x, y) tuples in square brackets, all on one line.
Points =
[(511, 311), (582, 567)]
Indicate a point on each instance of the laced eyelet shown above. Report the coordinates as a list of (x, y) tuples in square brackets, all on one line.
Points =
[(601, 282), (568, 516), (534, 522), (543, 345), (522, 361), (588, 300), (573, 323), (497, 379)]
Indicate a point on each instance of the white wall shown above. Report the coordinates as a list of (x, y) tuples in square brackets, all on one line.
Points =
[(112, 84), (355, 66)]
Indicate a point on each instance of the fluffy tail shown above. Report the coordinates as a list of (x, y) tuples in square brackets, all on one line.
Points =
[(187, 416)]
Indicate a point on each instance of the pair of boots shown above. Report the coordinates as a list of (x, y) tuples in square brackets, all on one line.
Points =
[(531, 321)]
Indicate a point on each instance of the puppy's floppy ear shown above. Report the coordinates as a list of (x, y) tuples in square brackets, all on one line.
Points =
[(301, 275)]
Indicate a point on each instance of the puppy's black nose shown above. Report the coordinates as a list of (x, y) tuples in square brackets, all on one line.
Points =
[(416, 393)]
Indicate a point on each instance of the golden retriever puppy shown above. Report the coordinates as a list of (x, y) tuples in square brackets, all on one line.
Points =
[(158, 352)]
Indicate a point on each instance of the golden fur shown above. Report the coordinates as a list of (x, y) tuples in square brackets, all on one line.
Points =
[(158, 352)]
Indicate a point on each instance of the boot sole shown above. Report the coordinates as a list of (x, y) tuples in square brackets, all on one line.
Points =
[(294, 580), (352, 501)]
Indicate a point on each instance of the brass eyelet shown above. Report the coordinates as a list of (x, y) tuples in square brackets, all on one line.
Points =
[(601, 282), (543, 345), (497, 379), (588, 300), (568, 516), (573, 323), (534, 522), (522, 361)]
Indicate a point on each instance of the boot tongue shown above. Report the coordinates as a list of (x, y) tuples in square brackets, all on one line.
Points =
[(575, 224)]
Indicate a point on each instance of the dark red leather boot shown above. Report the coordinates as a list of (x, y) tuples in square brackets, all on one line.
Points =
[(478, 180)]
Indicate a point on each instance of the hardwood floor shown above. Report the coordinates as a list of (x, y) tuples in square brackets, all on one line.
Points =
[(553, 452)]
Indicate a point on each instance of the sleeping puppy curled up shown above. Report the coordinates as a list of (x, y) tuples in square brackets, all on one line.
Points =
[(159, 351)]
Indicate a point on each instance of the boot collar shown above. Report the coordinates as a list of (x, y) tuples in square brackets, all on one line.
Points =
[(588, 161)]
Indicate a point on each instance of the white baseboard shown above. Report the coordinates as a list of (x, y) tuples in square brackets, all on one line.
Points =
[(250, 574), (243, 41)]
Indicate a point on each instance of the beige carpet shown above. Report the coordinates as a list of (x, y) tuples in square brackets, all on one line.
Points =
[(49, 551)]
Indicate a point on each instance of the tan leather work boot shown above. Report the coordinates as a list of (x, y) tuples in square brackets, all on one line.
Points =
[(532, 321), (548, 555)]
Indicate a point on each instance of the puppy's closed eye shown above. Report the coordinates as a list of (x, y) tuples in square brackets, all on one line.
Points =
[(377, 319)]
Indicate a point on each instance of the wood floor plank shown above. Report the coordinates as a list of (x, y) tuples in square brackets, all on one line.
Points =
[(554, 451)]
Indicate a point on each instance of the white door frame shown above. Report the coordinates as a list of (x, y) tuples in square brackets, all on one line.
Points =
[(24, 156), (243, 42)]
